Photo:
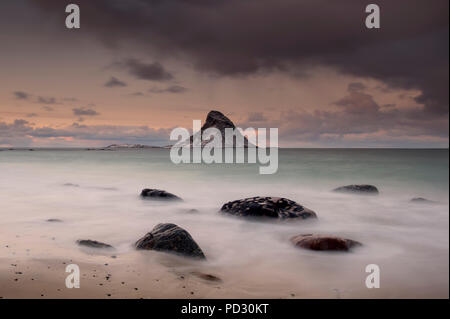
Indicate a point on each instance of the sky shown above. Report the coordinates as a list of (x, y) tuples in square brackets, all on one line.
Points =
[(136, 69)]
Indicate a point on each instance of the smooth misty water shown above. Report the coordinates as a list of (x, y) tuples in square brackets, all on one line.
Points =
[(96, 193)]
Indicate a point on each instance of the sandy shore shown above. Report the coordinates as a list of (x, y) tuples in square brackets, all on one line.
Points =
[(139, 274), (32, 265), (24, 273), (40, 278)]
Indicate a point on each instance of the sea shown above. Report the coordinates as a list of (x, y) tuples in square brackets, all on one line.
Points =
[(95, 194)]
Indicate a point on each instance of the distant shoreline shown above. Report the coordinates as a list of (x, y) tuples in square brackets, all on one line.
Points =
[(147, 147)]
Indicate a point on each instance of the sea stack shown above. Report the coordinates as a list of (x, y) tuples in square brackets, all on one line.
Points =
[(216, 119)]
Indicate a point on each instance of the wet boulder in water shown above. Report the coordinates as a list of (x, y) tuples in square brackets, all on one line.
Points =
[(172, 239), (93, 244), (71, 185), (357, 189), (273, 207), (324, 242), (54, 220), (158, 194), (421, 200)]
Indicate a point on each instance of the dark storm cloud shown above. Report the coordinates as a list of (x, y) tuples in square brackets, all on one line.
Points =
[(236, 37), (114, 82), (20, 95), (170, 89), (84, 112), (145, 71)]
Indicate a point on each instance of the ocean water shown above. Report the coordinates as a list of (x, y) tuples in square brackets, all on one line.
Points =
[(96, 195)]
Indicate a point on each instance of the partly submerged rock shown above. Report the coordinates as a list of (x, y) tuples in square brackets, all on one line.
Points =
[(170, 238), (357, 189), (274, 207), (205, 276), (71, 185), (324, 242), (93, 243), (54, 220), (158, 194), (421, 200)]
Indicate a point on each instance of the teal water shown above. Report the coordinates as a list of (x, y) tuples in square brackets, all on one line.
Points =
[(96, 194)]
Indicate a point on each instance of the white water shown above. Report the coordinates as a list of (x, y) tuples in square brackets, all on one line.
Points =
[(408, 241)]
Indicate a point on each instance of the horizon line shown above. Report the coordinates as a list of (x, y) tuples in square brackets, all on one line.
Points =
[(165, 147)]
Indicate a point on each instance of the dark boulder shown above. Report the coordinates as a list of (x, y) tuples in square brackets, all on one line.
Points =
[(170, 238), (93, 244), (157, 194), (357, 189), (323, 242), (274, 207), (54, 220)]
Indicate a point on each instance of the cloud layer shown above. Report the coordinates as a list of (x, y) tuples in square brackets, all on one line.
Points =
[(84, 112), (226, 52), (358, 121), (145, 71), (114, 82), (236, 37), (24, 133)]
